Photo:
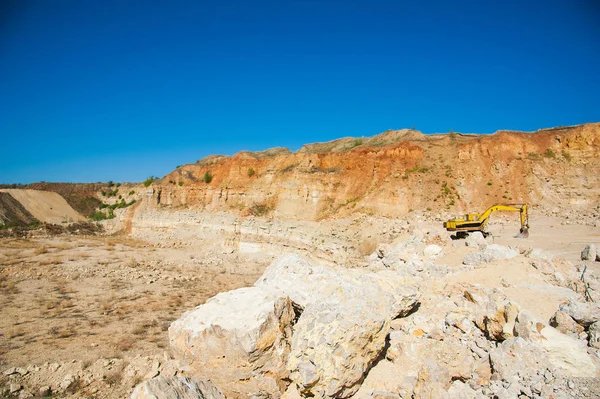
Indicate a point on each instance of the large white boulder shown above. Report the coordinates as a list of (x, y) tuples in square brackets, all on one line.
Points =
[(333, 347), (566, 353), (490, 253), (344, 323), (236, 335), (584, 313)]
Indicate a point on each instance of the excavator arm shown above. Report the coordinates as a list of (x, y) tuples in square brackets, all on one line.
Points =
[(478, 222)]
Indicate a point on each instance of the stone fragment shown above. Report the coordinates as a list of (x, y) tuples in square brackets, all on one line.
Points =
[(476, 240), (565, 324), (499, 324), (590, 252), (67, 382), (594, 335), (432, 251), (44, 391), (14, 387), (176, 387), (490, 253), (460, 390), (583, 313)]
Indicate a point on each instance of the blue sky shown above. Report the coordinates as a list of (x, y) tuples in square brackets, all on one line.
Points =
[(120, 90)]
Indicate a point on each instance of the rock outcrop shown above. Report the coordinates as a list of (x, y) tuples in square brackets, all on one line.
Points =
[(176, 387), (341, 330), (237, 335)]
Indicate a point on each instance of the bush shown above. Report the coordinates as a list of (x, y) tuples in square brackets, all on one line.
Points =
[(132, 192), (207, 177), (150, 180), (566, 155), (357, 142), (549, 154), (251, 172), (489, 183)]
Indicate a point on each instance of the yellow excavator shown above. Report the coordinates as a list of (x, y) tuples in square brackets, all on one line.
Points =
[(478, 221)]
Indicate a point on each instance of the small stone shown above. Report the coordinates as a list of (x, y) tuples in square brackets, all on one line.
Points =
[(570, 384), (44, 391), (15, 387)]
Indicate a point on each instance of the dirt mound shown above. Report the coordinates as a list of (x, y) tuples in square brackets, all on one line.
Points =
[(13, 214), (46, 206), (81, 197)]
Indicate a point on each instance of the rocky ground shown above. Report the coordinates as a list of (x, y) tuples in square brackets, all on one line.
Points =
[(94, 310), (411, 313)]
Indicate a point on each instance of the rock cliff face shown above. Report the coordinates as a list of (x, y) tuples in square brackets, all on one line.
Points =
[(352, 183), (395, 172)]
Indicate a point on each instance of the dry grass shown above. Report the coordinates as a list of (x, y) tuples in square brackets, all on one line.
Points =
[(40, 251), (54, 260), (8, 286), (125, 344), (16, 332)]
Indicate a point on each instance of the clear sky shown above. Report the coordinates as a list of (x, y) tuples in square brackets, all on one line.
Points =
[(120, 90)]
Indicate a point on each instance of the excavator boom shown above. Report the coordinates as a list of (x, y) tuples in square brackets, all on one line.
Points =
[(478, 221)]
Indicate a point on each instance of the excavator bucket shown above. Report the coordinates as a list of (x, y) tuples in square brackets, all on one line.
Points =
[(524, 233)]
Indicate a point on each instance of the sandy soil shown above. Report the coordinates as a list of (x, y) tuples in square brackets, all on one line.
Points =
[(100, 297), (46, 206)]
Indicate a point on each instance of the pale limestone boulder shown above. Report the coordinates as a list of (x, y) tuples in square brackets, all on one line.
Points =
[(566, 353), (476, 240), (590, 252), (176, 387), (304, 283), (584, 313), (490, 253), (594, 335), (236, 336), (460, 390), (541, 254), (344, 322), (565, 324), (333, 347), (432, 251), (516, 360), (499, 322)]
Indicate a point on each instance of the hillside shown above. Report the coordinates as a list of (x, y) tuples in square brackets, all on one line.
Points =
[(12, 213), (396, 172)]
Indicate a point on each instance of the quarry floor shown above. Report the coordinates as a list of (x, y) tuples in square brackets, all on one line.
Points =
[(85, 298)]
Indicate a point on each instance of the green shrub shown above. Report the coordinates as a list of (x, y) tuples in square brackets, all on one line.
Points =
[(132, 192), (207, 177), (357, 143), (549, 153), (489, 183), (566, 155), (251, 172), (180, 183), (150, 180)]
